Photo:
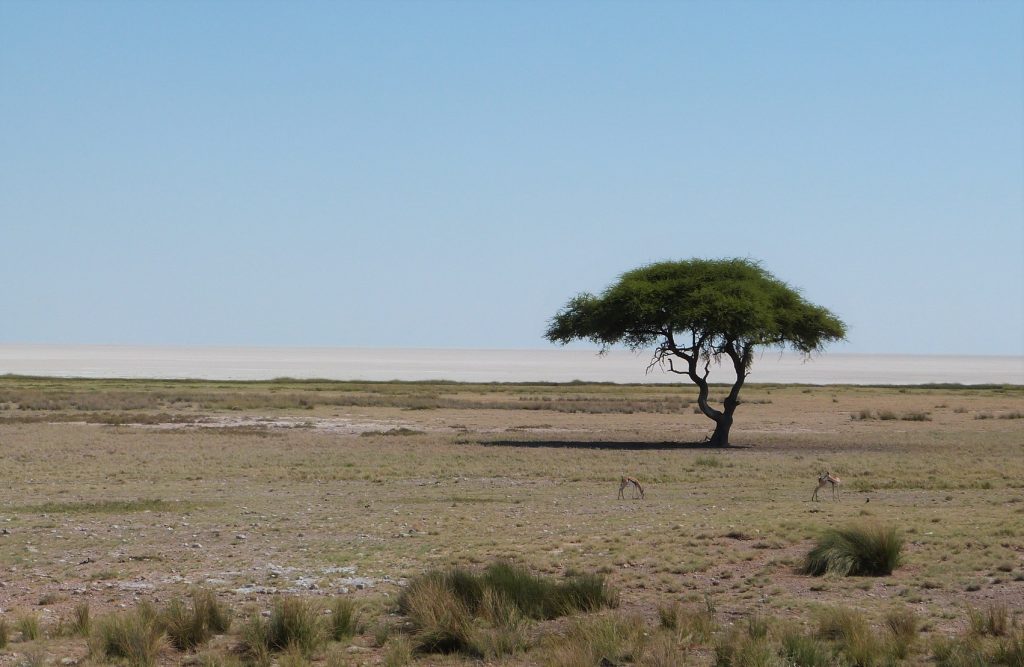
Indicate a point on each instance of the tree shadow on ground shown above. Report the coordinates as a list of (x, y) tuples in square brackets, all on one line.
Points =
[(626, 445)]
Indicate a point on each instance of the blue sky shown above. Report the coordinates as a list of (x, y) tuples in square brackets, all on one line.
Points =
[(449, 174)]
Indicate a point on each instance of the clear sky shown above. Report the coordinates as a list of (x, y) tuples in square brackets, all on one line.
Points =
[(449, 174)]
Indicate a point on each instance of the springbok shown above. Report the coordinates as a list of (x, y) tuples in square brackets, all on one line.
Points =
[(637, 487), (827, 478)]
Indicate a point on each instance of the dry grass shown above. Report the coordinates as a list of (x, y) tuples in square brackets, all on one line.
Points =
[(120, 510)]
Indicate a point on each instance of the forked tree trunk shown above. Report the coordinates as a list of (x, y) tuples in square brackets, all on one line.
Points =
[(723, 418), (720, 438)]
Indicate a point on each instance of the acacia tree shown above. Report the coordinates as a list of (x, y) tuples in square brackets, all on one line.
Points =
[(698, 312)]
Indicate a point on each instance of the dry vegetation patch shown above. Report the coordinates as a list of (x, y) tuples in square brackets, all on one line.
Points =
[(104, 515)]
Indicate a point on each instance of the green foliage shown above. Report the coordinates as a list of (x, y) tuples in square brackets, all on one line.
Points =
[(5, 632), (715, 300), (867, 549)]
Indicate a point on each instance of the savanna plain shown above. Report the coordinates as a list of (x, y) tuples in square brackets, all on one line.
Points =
[(342, 523)]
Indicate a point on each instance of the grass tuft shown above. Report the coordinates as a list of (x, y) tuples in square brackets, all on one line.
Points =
[(903, 626), (861, 550), (294, 622), (993, 621), (344, 622), (483, 614), (536, 597), (294, 625), (603, 640), (28, 626), (189, 628), (800, 649), (133, 636)]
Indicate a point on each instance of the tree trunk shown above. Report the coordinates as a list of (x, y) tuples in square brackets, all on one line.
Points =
[(723, 419), (720, 438)]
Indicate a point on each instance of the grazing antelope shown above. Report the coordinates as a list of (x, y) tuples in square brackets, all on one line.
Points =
[(637, 487), (827, 478)]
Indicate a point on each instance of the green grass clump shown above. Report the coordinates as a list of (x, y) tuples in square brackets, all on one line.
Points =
[(28, 626), (185, 629), (294, 622), (737, 648), (442, 620), (862, 550), (80, 623), (398, 651), (690, 625), (503, 631), (294, 625), (215, 615), (803, 650), (993, 620), (536, 597), (605, 640), (483, 614), (133, 636), (5, 632), (189, 628), (959, 652), (903, 626), (344, 622)]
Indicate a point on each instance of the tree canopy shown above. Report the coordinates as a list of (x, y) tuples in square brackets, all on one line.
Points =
[(696, 310)]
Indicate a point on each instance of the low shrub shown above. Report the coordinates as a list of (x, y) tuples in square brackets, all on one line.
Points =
[(867, 549), (5, 632)]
